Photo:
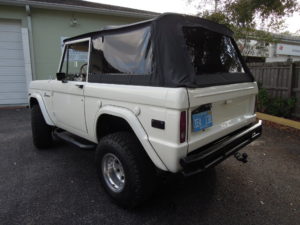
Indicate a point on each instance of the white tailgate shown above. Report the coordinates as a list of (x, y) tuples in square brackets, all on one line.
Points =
[(232, 107)]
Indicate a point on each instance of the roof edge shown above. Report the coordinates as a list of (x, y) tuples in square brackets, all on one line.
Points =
[(65, 7)]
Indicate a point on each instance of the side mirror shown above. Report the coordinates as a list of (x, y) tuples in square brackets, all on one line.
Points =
[(60, 76)]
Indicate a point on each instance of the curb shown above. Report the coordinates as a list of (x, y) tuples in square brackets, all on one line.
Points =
[(278, 120)]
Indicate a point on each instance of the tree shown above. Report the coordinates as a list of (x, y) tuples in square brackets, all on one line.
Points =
[(249, 18), (248, 13)]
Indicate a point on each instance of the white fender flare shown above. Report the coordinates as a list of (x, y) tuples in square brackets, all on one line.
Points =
[(138, 129), (39, 98)]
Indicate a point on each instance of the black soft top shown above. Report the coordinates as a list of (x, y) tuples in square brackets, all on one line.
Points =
[(160, 45)]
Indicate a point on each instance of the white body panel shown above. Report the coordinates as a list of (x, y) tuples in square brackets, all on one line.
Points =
[(68, 106), (232, 108), (77, 111)]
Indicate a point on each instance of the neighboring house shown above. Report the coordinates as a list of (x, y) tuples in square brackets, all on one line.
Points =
[(31, 33), (285, 48), (253, 50)]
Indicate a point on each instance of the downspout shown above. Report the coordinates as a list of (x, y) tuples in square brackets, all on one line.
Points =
[(29, 24)]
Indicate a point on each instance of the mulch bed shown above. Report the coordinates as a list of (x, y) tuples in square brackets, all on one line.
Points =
[(287, 129)]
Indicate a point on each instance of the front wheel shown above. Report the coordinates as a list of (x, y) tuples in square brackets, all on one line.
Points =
[(124, 169), (41, 131)]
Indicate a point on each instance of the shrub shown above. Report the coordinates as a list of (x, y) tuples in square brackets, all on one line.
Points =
[(277, 106), (262, 100)]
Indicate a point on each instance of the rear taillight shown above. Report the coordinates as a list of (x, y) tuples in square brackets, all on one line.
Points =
[(182, 127)]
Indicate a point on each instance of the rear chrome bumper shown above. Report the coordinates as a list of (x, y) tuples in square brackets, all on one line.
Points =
[(214, 153)]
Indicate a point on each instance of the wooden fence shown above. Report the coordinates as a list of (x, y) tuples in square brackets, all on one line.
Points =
[(281, 79)]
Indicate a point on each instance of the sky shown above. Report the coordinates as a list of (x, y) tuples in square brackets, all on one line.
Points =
[(181, 6)]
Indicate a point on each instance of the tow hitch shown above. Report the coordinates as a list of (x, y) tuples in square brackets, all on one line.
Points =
[(241, 157)]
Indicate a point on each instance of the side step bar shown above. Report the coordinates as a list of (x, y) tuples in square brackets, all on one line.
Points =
[(73, 139)]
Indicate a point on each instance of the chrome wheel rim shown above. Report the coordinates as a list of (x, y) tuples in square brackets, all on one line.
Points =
[(113, 172)]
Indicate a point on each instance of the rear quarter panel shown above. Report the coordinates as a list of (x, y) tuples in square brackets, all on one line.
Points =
[(146, 103)]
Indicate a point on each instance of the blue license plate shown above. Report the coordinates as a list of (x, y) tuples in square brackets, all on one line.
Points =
[(202, 120)]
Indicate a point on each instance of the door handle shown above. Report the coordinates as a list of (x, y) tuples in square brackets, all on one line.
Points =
[(79, 85)]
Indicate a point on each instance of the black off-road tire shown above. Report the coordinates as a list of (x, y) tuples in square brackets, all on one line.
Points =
[(41, 131), (140, 177)]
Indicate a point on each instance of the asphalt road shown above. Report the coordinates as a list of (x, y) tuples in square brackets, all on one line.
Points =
[(59, 185)]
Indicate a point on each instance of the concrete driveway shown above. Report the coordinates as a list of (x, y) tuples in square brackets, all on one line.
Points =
[(60, 186)]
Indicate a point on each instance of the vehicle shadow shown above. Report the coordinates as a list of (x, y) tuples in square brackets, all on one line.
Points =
[(178, 193), (174, 191)]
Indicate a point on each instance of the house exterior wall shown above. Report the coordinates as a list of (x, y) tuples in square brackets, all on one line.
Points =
[(49, 25), (275, 56), (14, 13)]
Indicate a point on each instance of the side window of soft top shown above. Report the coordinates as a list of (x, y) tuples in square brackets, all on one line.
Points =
[(124, 53), (75, 61)]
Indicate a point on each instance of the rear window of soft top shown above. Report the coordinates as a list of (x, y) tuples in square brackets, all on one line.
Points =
[(211, 52)]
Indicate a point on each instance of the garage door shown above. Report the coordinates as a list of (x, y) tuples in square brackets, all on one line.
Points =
[(13, 88)]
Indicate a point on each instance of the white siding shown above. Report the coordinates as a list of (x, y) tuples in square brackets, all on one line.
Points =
[(13, 88)]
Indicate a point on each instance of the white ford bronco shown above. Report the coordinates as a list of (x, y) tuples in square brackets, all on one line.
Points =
[(169, 94)]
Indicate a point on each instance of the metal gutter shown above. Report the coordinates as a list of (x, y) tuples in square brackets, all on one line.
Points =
[(82, 9), (294, 39), (29, 24), (289, 41)]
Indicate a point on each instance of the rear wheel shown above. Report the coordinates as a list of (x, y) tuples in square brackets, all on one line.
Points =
[(41, 131), (124, 169)]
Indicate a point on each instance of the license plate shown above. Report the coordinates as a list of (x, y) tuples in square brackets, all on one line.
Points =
[(202, 120)]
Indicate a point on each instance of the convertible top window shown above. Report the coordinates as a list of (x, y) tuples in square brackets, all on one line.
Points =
[(127, 53), (211, 52)]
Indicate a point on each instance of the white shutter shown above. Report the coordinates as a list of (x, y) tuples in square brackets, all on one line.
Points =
[(13, 89)]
